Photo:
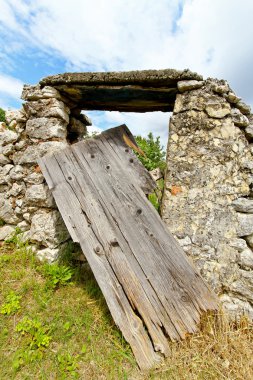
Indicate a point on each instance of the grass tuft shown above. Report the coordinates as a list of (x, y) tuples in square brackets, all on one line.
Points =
[(54, 324)]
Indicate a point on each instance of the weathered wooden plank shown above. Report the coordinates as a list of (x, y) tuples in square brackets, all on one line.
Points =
[(151, 289)]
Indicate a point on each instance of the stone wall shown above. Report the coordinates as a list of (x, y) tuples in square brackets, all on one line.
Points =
[(208, 199), (45, 124)]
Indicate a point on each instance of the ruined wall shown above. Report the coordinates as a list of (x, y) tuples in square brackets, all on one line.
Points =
[(208, 202), (45, 124)]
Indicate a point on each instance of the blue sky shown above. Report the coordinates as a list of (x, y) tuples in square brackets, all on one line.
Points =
[(44, 37)]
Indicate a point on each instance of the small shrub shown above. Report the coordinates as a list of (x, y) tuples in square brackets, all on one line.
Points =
[(36, 333), (154, 154), (57, 275), (69, 364), (2, 115), (12, 304)]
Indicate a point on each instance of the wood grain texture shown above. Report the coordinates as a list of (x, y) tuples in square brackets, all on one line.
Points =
[(152, 290)]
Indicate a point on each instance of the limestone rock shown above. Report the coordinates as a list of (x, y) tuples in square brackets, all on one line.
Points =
[(16, 190), (47, 108), (6, 231), (238, 118), (4, 171), (7, 213), (3, 159), (34, 178), (244, 108), (249, 240), (220, 88), (17, 173), (232, 98), (21, 144), (51, 254), (249, 132), (248, 165), (243, 205), (246, 258), (33, 152), (48, 229), (8, 149), (39, 195), (36, 93), (189, 102), (23, 226), (236, 307), (245, 224), (17, 115), (239, 244), (8, 136), (217, 109), (46, 128), (187, 85)]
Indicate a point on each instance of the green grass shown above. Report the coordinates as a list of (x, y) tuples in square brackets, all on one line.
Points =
[(54, 324)]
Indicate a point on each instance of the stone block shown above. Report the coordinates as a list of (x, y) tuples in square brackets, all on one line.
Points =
[(47, 108), (36, 93), (232, 98), (249, 132), (46, 128), (246, 259), (8, 136), (33, 152), (6, 231), (243, 205), (4, 171), (245, 224), (239, 244), (243, 107), (4, 160), (17, 189), (17, 173), (7, 213), (34, 178), (188, 85), (17, 115), (217, 108), (39, 195), (48, 229), (238, 118)]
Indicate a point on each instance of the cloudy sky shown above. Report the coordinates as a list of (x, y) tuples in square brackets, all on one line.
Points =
[(44, 37)]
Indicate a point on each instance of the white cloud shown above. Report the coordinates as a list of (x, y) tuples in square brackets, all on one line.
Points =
[(10, 86), (212, 37)]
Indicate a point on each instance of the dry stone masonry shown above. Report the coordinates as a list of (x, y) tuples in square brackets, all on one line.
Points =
[(208, 203), (44, 124), (208, 197)]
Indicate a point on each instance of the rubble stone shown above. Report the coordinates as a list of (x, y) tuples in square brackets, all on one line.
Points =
[(48, 229), (47, 108), (46, 128), (186, 85), (39, 195), (6, 231)]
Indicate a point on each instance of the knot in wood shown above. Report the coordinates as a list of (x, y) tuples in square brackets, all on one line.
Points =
[(114, 242), (97, 250), (139, 211)]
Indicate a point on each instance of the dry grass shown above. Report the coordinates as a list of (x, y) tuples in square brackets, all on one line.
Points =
[(85, 343)]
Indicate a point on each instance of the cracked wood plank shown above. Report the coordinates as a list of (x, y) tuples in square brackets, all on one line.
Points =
[(152, 290)]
